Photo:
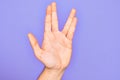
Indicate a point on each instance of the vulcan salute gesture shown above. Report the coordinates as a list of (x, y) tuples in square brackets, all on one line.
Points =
[(56, 49)]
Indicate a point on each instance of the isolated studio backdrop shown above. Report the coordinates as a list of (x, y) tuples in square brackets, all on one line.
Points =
[(96, 44)]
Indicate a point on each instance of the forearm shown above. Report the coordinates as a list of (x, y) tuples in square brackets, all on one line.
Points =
[(49, 74)]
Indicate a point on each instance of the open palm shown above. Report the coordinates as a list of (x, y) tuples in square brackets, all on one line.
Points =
[(56, 48)]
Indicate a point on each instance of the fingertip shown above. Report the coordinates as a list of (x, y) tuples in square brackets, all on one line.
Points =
[(53, 3), (49, 9), (29, 34), (53, 6), (73, 10)]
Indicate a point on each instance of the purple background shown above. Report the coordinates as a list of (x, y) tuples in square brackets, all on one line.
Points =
[(96, 44)]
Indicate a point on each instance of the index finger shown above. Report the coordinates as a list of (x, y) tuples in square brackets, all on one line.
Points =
[(48, 19)]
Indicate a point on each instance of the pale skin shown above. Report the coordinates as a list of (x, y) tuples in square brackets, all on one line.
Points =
[(55, 52)]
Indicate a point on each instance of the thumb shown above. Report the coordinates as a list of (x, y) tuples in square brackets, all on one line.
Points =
[(35, 45)]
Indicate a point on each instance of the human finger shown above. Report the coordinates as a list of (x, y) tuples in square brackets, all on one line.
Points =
[(48, 19), (69, 21), (72, 29), (54, 17)]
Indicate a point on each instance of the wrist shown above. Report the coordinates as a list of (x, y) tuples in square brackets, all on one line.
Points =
[(55, 72), (51, 74)]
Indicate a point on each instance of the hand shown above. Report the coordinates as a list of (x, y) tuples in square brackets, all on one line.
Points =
[(56, 49)]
